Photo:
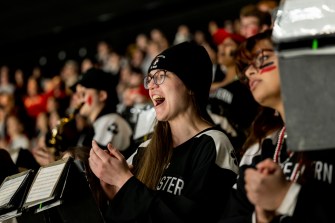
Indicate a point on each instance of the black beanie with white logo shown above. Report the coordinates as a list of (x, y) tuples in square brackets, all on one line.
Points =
[(192, 64)]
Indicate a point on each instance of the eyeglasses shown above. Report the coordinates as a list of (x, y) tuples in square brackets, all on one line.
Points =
[(259, 61), (158, 77)]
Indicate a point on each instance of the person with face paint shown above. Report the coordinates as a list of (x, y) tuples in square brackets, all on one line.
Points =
[(258, 65), (184, 172), (274, 183), (97, 92)]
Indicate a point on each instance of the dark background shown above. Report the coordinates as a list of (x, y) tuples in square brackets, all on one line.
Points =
[(34, 29)]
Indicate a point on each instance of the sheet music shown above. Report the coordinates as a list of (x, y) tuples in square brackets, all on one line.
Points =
[(145, 123), (9, 215), (46, 207), (45, 183), (8, 189)]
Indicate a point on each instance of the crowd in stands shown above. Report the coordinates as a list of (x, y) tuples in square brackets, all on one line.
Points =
[(100, 97), (34, 103)]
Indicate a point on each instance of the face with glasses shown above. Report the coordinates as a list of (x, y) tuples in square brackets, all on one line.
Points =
[(158, 78), (261, 73), (168, 94)]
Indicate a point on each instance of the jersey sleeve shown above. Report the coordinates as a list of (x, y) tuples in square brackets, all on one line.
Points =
[(207, 183)]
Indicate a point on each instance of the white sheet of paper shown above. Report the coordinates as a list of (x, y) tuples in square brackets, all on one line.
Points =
[(145, 123), (9, 188), (45, 182)]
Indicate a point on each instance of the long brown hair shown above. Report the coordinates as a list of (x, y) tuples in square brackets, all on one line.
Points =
[(154, 159), (265, 123), (157, 155)]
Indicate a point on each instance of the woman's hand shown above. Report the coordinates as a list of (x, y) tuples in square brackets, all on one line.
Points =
[(43, 155), (110, 167), (266, 186)]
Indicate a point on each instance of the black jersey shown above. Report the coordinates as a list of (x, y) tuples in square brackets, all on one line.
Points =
[(239, 208), (314, 172), (315, 202), (194, 188), (236, 103)]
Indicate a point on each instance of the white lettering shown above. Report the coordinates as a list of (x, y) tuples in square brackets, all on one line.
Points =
[(161, 182), (179, 187), (224, 95), (328, 173), (318, 170), (167, 182), (171, 184)]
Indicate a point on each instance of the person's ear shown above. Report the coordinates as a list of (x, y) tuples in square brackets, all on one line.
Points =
[(102, 95)]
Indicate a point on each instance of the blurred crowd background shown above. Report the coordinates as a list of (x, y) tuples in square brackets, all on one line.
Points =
[(39, 65)]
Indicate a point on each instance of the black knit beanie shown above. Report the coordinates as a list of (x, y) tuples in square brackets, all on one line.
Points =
[(192, 64)]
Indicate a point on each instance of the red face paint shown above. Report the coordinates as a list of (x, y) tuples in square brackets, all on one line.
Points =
[(268, 68), (254, 30), (89, 100)]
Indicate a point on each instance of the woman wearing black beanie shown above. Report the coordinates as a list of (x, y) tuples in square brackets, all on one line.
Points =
[(184, 172)]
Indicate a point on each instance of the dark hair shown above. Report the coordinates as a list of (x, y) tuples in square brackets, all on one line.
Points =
[(264, 18), (111, 103), (244, 53), (266, 122), (136, 70)]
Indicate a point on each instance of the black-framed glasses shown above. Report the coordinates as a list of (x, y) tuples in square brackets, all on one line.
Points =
[(158, 77), (259, 61)]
